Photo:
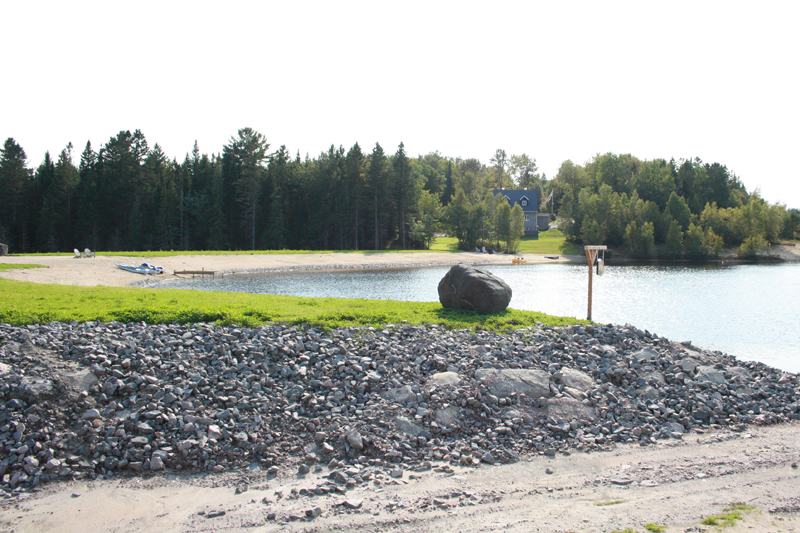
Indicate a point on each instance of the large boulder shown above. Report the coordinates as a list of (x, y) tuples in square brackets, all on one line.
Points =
[(474, 289), (532, 383)]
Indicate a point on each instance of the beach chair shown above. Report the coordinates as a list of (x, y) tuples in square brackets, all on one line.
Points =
[(88, 253), (78, 254)]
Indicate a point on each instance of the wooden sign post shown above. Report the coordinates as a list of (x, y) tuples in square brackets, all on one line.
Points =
[(591, 258)]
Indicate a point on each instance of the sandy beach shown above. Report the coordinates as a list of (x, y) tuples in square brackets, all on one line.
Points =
[(101, 270)]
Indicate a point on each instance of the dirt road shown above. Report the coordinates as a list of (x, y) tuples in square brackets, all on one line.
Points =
[(675, 484)]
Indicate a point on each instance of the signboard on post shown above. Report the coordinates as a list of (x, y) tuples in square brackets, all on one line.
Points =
[(591, 258)]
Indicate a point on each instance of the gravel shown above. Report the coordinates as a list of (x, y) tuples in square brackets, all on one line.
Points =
[(88, 400)]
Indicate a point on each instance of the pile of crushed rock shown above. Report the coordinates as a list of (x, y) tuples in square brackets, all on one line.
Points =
[(83, 400)]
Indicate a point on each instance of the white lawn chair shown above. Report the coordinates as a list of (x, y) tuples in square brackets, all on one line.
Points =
[(78, 254), (88, 253)]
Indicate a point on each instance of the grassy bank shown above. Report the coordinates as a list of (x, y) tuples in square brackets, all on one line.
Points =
[(547, 242), (551, 241), (32, 303)]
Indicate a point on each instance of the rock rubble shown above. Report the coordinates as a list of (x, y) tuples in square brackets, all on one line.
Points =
[(83, 400)]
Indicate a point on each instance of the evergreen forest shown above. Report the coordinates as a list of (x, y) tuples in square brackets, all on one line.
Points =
[(128, 195)]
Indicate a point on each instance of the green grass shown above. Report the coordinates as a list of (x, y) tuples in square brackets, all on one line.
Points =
[(728, 517), (547, 242), (629, 530), (9, 266), (445, 244), (551, 241), (32, 303), (655, 528), (612, 502), (173, 253)]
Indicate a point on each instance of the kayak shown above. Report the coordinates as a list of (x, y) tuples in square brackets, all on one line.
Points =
[(144, 268)]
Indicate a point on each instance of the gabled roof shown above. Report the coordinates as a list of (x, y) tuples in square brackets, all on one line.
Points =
[(516, 195)]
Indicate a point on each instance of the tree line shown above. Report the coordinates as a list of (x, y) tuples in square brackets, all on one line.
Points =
[(130, 196), (668, 209)]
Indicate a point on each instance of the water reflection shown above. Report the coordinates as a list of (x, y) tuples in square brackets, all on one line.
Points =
[(745, 310)]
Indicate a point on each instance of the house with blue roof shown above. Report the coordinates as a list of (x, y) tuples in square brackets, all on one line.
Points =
[(528, 200)]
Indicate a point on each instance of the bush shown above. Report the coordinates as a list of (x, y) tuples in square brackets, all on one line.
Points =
[(751, 247), (640, 239), (674, 241)]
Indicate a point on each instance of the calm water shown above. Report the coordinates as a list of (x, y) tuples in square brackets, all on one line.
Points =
[(745, 310)]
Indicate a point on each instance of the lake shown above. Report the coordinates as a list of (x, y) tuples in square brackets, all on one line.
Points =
[(749, 311)]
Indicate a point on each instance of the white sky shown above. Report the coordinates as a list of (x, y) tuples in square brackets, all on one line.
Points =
[(555, 80)]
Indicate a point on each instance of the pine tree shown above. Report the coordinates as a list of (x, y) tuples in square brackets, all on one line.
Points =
[(354, 187), (404, 190), (14, 177), (244, 158), (275, 238), (41, 207), (449, 188), (376, 177), (67, 179)]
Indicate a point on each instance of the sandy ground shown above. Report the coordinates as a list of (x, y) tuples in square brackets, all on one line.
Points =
[(101, 270), (675, 484)]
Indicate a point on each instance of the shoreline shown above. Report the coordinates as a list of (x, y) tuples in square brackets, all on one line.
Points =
[(101, 270)]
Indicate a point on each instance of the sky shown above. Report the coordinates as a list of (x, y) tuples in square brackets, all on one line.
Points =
[(554, 80)]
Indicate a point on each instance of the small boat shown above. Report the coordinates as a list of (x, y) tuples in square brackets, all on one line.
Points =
[(519, 261), (144, 268)]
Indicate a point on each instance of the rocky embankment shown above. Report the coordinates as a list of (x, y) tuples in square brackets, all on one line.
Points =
[(84, 400)]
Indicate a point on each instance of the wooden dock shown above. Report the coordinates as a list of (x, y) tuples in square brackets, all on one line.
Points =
[(194, 273)]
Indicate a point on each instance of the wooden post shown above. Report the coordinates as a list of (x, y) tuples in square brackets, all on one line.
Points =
[(591, 257)]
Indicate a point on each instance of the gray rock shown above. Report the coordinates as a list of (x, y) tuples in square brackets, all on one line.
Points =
[(355, 440), (565, 409), (443, 378), (501, 383), (709, 374), (202, 398), (36, 389), (353, 503), (648, 393), (474, 289), (447, 416), (406, 426), (401, 394), (156, 463), (645, 354), (569, 377)]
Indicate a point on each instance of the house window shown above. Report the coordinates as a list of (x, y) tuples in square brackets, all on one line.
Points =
[(524, 202), (527, 218)]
